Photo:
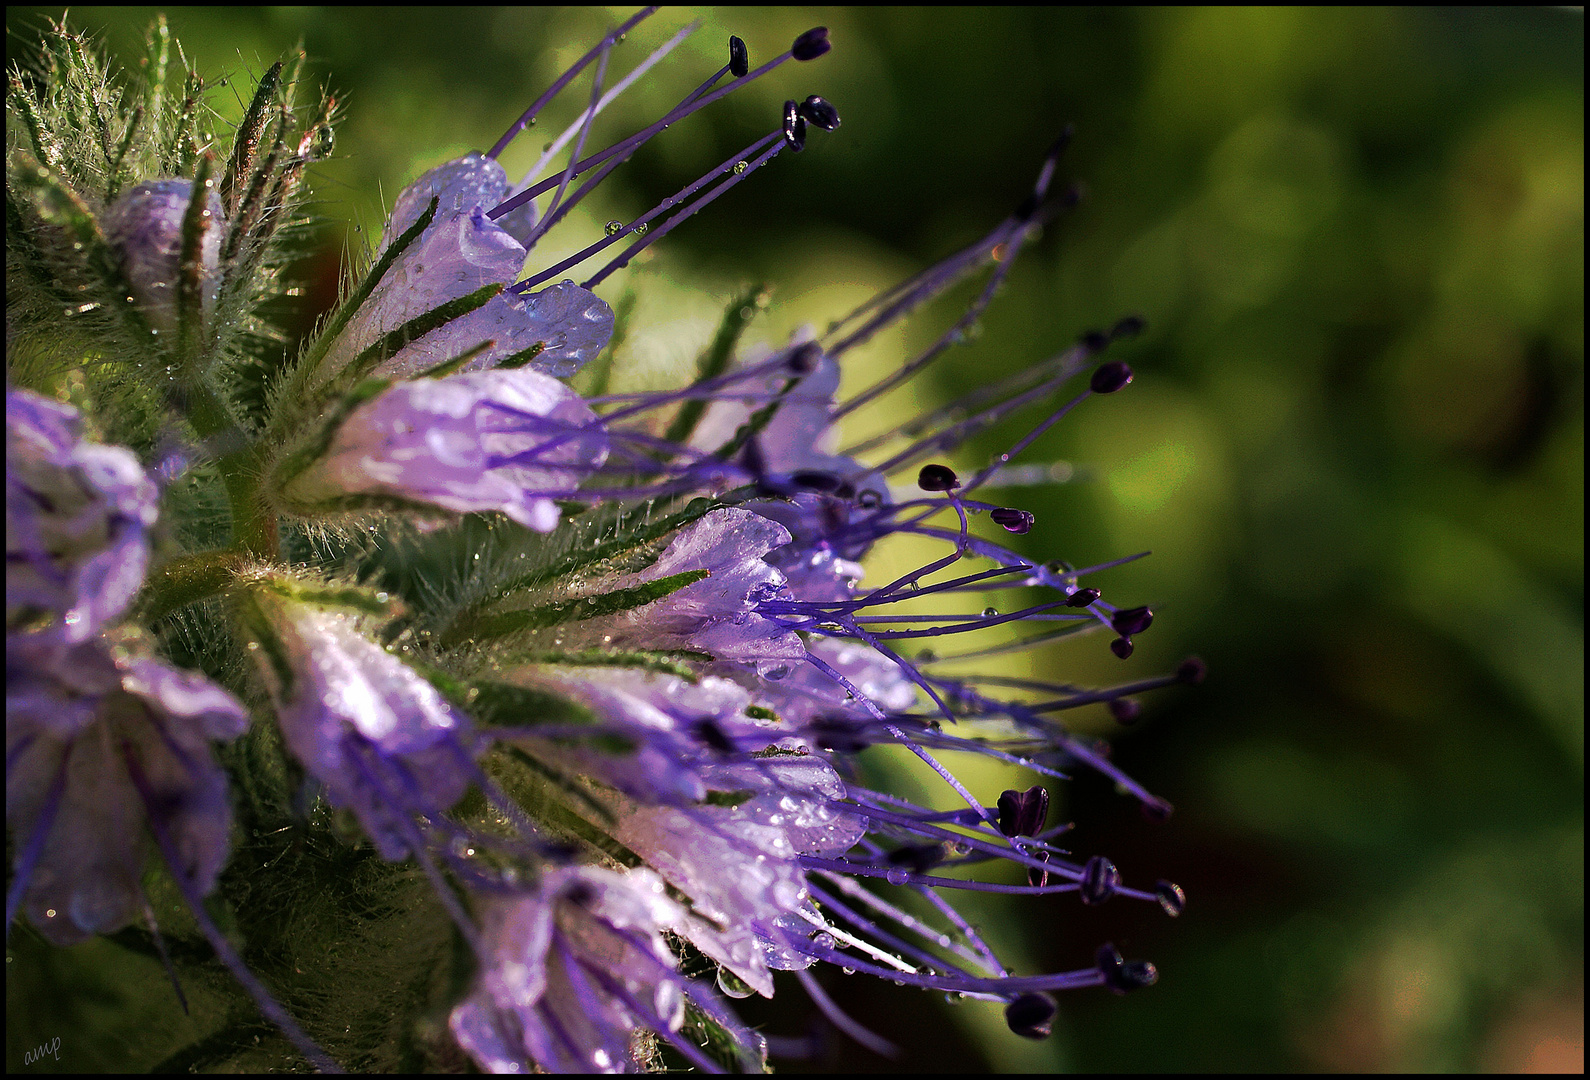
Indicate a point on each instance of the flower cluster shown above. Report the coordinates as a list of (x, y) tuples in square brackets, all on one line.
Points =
[(599, 667)]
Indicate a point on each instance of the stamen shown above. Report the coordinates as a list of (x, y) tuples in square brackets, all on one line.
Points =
[(627, 146), (819, 113), (812, 44), (739, 57), (1129, 621), (1100, 880), (1031, 1015), (738, 174), (1122, 647), (937, 478), (1012, 520), (1022, 813), (529, 115), (1110, 377), (794, 127), (1121, 975), (1125, 710), (568, 174), (1170, 897), (641, 224)]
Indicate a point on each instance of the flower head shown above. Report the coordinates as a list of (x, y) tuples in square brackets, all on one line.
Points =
[(78, 516), (601, 666)]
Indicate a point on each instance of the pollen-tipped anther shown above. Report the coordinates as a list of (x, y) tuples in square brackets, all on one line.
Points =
[(1192, 671), (812, 44), (819, 113), (1031, 1015), (1170, 897), (1125, 710), (1130, 326), (1122, 975), (1100, 880), (794, 127), (1083, 597), (1110, 377), (935, 477), (1012, 519), (1122, 647), (739, 58), (803, 360), (1022, 813), (1129, 621), (1094, 341)]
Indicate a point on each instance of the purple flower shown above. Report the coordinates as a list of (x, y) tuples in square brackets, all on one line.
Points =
[(510, 441), (739, 864), (381, 739), (718, 563), (102, 740), (572, 970), (144, 225), (555, 331), (674, 727), (78, 516)]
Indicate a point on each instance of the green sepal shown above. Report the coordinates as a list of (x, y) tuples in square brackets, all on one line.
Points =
[(245, 145), (715, 361), (503, 623), (196, 221), (524, 356), (389, 343), (306, 455), (665, 662), (728, 798), (358, 598), (349, 307), (447, 367), (629, 543)]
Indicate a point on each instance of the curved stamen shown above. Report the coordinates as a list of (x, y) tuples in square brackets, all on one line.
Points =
[(529, 115)]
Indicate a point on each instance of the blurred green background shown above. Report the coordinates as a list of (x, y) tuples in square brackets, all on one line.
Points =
[(1355, 446)]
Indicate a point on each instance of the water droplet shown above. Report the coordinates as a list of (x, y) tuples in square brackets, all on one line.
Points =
[(823, 941), (846, 970), (990, 613), (614, 228), (740, 167), (896, 877), (640, 230)]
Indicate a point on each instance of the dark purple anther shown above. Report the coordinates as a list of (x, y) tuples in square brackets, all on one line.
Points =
[(1035, 877), (1122, 975), (1031, 1016), (815, 480), (805, 358), (1022, 813), (1130, 326), (819, 113), (1094, 341), (1125, 710), (919, 858), (1192, 671), (794, 127), (1122, 647), (937, 478), (1170, 897), (1110, 377), (1100, 879), (1109, 961), (1013, 520), (739, 58), (1129, 621), (1083, 597), (812, 44)]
